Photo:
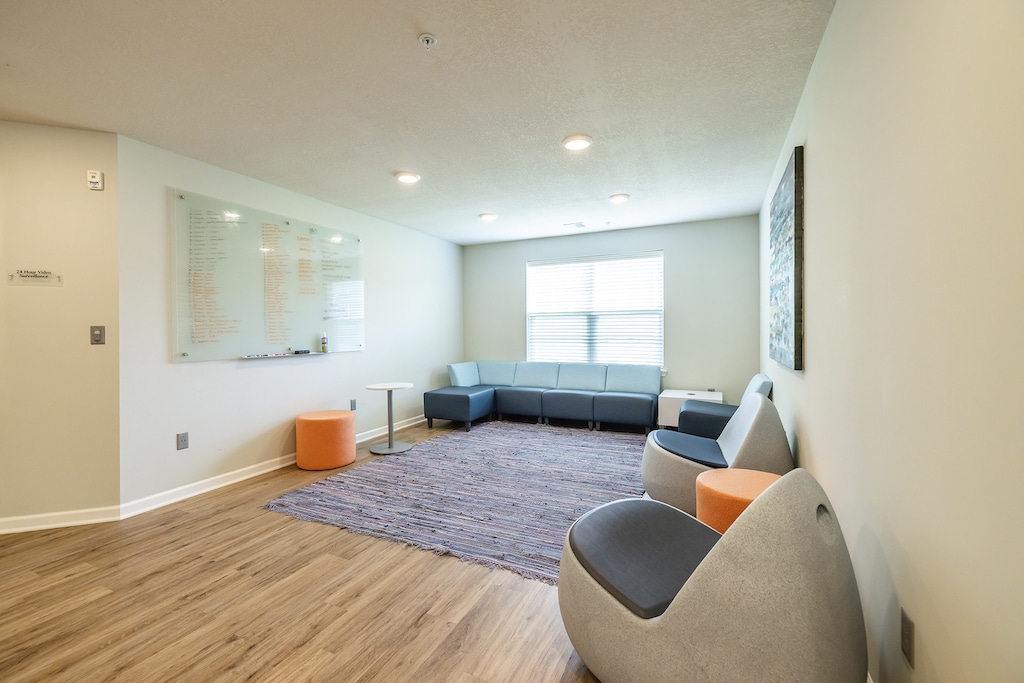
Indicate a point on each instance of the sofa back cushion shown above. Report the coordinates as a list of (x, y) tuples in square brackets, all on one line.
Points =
[(534, 374), (634, 379), (464, 374), (582, 376), (497, 372)]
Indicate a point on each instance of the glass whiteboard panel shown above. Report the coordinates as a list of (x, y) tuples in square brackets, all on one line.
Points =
[(252, 284)]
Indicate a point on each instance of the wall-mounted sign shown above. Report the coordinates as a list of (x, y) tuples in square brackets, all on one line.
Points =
[(35, 277)]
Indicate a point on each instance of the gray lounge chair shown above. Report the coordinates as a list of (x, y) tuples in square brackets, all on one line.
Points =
[(754, 439), (648, 593)]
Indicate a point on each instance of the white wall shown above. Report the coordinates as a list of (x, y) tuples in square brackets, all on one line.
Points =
[(711, 284), (241, 413), (88, 431), (58, 393), (907, 411)]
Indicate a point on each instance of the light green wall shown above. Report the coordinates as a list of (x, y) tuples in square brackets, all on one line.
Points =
[(907, 409), (58, 392), (711, 280)]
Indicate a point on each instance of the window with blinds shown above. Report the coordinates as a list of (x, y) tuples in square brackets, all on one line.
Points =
[(607, 309)]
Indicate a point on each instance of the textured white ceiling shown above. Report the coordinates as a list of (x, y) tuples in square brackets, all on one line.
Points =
[(688, 101)]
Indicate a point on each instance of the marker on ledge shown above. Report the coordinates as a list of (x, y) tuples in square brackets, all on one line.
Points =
[(300, 351)]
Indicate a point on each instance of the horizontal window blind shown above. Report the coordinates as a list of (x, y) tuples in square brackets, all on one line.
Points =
[(608, 309)]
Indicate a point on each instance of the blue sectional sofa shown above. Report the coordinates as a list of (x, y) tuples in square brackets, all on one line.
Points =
[(590, 392)]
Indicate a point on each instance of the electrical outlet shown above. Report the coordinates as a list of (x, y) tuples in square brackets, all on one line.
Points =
[(352, 404), (907, 637), (182, 441)]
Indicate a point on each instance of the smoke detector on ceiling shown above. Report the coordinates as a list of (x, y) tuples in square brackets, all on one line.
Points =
[(427, 41)]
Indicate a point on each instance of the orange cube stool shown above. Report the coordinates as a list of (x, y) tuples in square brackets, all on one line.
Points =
[(325, 439), (723, 494)]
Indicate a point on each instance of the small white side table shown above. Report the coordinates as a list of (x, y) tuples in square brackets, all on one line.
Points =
[(393, 446), (671, 400)]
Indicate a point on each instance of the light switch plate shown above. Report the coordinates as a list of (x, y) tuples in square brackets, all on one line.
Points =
[(98, 334)]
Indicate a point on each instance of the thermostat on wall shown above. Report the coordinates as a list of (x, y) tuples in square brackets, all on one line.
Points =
[(95, 179)]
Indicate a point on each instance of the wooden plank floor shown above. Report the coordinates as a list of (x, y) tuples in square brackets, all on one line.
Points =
[(217, 589)]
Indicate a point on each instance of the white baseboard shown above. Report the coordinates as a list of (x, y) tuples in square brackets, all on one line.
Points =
[(163, 498), (55, 520), (382, 431), (112, 513)]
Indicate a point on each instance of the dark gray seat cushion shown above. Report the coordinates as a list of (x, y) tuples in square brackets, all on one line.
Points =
[(519, 401), (640, 551), (695, 448), (620, 407), (568, 404)]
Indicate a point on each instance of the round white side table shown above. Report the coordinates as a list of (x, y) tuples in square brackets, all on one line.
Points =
[(393, 446)]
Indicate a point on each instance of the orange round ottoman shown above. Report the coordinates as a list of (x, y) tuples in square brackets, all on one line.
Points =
[(723, 494), (325, 439)]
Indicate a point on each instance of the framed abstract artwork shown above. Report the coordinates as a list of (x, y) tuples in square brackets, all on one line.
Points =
[(786, 266)]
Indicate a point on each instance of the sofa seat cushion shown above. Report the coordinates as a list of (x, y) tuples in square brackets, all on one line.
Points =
[(462, 404), (696, 448), (568, 404), (640, 551), (620, 407), (519, 401)]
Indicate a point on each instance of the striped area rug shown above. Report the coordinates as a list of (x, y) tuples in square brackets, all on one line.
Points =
[(502, 495)]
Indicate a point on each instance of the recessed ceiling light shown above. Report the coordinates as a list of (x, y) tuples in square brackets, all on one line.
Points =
[(619, 198), (407, 177), (488, 216), (575, 143)]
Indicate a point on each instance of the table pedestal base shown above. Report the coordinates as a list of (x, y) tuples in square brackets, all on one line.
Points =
[(390, 449)]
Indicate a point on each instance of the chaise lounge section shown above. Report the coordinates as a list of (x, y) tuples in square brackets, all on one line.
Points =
[(588, 392)]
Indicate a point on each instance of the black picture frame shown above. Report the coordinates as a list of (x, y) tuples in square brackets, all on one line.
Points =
[(786, 267)]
